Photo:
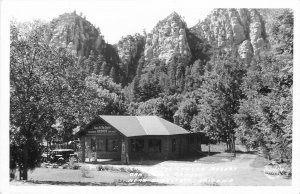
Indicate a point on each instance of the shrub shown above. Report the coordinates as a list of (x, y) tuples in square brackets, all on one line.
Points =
[(286, 170), (85, 171), (111, 168), (134, 170), (100, 168), (65, 166), (75, 167), (139, 173), (72, 163), (211, 182), (107, 168), (54, 166), (123, 169)]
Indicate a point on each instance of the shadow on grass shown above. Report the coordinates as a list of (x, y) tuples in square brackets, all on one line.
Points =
[(116, 183), (259, 162), (205, 156), (247, 152), (214, 157), (132, 161)]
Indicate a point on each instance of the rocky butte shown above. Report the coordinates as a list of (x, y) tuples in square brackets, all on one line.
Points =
[(237, 30), (168, 39)]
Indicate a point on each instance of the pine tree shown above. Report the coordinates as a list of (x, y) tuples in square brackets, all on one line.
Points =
[(98, 64), (113, 74), (104, 69)]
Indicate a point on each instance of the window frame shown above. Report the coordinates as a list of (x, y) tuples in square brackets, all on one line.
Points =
[(173, 143), (107, 145), (159, 143), (141, 149)]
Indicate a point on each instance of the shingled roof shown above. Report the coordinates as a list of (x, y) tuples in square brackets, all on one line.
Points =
[(143, 125)]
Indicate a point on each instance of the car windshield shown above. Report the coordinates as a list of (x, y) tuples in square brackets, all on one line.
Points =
[(63, 152)]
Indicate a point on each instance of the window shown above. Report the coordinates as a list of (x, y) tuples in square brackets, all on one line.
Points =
[(199, 139), (137, 145), (173, 145), (191, 139), (112, 145), (154, 145), (100, 145), (93, 144)]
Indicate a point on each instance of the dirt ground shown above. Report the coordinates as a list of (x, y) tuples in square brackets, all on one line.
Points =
[(218, 169), (227, 172)]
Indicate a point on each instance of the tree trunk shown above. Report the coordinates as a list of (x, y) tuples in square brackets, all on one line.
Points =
[(24, 168), (233, 146), (48, 147), (227, 147), (23, 173), (208, 146)]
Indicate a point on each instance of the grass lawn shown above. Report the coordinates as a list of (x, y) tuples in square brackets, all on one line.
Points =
[(259, 162), (219, 168), (55, 176)]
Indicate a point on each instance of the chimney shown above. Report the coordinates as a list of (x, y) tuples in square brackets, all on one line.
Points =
[(176, 119)]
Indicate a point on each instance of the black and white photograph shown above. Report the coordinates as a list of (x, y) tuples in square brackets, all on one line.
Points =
[(101, 94)]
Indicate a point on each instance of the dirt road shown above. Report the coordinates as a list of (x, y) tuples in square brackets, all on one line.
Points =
[(226, 172)]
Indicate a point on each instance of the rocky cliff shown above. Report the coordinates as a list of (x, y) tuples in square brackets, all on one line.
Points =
[(241, 31), (76, 33), (238, 30), (130, 49), (168, 39)]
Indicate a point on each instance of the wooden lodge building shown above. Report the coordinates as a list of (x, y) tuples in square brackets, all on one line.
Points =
[(137, 137)]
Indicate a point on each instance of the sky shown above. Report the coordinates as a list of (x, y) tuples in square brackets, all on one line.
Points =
[(115, 18)]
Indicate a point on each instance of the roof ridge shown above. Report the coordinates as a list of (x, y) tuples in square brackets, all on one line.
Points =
[(142, 125), (145, 127), (161, 122)]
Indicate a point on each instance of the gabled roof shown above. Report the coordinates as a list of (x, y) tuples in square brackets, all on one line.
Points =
[(143, 125)]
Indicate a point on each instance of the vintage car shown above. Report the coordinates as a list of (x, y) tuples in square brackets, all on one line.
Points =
[(61, 156)]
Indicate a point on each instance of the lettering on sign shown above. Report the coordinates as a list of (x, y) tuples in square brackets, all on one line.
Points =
[(102, 130)]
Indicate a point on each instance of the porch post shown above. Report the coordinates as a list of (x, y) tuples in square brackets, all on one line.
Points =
[(96, 148), (82, 148), (124, 151)]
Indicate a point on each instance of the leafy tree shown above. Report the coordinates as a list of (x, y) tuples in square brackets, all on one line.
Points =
[(186, 111), (265, 116), (113, 74), (104, 69), (221, 95), (163, 106), (98, 64), (35, 87), (136, 89)]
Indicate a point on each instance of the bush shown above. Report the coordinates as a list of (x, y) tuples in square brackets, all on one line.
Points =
[(107, 168), (85, 171), (211, 182), (72, 163), (123, 169), (278, 169), (286, 170), (65, 166), (135, 172), (54, 166), (100, 168), (75, 167)]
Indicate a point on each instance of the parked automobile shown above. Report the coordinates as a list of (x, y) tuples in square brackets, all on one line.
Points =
[(45, 157), (61, 156)]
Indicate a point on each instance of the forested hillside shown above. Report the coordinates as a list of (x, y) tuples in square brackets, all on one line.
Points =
[(230, 76)]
